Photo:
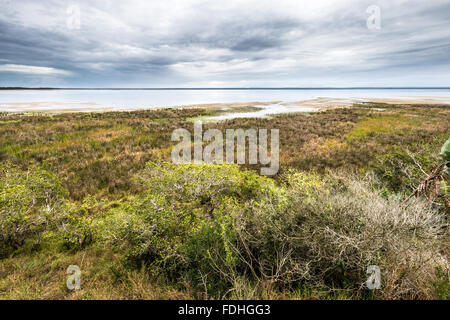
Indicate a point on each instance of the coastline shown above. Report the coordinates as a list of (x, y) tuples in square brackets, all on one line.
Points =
[(320, 103)]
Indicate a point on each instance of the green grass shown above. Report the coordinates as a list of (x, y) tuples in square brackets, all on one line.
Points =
[(99, 154)]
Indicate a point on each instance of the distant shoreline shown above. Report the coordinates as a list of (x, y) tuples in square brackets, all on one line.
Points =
[(319, 103), (250, 88)]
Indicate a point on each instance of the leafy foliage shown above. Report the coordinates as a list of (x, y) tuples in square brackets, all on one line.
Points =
[(223, 231), (74, 229), (29, 204), (183, 205)]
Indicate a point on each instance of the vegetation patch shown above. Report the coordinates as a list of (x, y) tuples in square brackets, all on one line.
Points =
[(97, 190)]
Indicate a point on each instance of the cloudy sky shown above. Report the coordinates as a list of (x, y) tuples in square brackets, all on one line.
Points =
[(190, 43)]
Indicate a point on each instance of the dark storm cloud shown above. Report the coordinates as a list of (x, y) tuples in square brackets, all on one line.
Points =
[(22, 46), (248, 43)]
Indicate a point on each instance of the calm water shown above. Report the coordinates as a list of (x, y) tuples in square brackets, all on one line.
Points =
[(264, 111), (79, 100)]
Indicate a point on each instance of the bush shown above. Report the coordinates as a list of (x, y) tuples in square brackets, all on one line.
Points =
[(75, 227), (231, 233), (179, 219), (29, 205), (348, 226), (403, 171)]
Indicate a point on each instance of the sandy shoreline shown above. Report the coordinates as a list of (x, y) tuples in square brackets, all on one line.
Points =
[(319, 103)]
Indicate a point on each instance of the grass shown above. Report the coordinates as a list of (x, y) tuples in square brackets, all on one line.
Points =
[(43, 275), (99, 154), (83, 148)]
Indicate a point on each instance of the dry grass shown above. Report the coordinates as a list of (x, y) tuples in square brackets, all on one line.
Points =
[(43, 276), (99, 153)]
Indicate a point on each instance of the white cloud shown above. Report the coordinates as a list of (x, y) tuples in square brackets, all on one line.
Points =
[(253, 41), (33, 70)]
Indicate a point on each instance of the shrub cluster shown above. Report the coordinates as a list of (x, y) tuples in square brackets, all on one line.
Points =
[(232, 233), (30, 203)]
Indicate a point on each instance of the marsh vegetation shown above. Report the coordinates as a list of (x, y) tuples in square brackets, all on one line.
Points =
[(98, 190)]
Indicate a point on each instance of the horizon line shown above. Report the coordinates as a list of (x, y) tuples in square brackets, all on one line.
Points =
[(214, 88)]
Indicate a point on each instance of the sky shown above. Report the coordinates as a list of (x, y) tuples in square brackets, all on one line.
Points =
[(190, 43)]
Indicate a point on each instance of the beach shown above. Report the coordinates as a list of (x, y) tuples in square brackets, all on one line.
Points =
[(57, 101)]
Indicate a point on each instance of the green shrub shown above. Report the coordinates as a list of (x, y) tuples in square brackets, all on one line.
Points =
[(29, 205), (445, 151), (231, 233), (184, 216), (75, 229), (403, 171), (203, 185)]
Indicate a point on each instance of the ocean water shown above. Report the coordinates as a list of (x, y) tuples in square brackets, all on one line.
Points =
[(102, 99)]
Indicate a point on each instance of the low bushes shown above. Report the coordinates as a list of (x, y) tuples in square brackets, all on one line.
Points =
[(403, 171), (221, 232), (33, 209), (74, 229), (348, 226), (231, 233), (184, 207), (30, 204)]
